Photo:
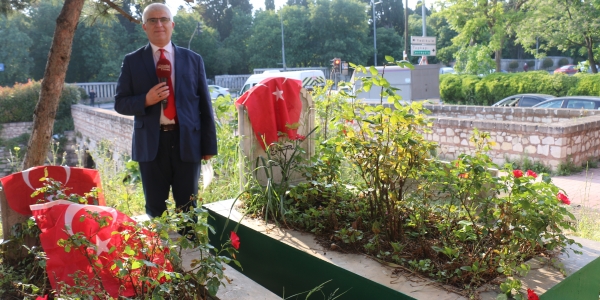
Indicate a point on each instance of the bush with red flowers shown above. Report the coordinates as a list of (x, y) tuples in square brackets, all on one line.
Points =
[(376, 187)]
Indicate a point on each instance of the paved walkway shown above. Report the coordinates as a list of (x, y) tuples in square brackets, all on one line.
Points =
[(582, 188)]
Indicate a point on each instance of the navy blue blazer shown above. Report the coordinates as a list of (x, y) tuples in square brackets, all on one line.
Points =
[(192, 98)]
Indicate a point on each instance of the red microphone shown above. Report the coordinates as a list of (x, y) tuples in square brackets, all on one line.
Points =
[(163, 71)]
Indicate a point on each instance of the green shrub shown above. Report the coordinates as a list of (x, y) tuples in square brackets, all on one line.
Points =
[(492, 87), (18, 103), (451, 88), (513, 65), (587, 85), (547, 63), (474, 90), (531, 64), (563, 62)]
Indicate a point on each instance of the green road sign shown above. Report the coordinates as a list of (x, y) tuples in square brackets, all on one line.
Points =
[(421, 52)]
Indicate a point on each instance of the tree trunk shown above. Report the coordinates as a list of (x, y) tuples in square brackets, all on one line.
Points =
[(52, 84), (590, 52), (499, 60)]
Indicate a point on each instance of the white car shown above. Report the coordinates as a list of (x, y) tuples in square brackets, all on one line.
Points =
[(217, 91)]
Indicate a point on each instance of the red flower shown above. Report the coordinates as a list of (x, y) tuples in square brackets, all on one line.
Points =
[(563, 198), (531, 173), (463, 175), (531, 295), (235, 240), (42, 298), (518, 173)]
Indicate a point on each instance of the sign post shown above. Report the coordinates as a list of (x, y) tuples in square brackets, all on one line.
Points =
[(423, 46)]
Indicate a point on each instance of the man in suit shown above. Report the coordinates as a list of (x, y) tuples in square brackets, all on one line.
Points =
[(169, 148)]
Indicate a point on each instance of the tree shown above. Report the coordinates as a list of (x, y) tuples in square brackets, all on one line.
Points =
[(54, 79), (299, 51), (339, 29), (391, 15), (269, 4), (561, 24), (484, 22), (297, 2), (219, 14), (389, 42), (236, 45), (17, 63), (265, 44), (444, 34)]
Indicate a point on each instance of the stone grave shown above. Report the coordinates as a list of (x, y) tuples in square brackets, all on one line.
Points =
[(281, 259), (252, 151)]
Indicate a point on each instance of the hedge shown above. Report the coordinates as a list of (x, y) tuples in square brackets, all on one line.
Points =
[(17, 104), (475, 90)]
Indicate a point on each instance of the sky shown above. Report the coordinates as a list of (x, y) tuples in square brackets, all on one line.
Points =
[(258, 4)]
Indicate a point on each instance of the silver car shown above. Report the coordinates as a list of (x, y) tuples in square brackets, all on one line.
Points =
[(217, 91)]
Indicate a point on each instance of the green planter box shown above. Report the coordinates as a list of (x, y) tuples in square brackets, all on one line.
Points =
[(288, 262)]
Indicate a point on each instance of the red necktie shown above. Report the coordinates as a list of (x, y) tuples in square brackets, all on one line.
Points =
[(169, 110)]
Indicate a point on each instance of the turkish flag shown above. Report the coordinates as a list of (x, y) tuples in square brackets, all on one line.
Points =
[(272, 105), (18, 187), (62, 219)]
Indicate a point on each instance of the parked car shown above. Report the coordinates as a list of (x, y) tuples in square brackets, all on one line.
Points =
[(523, 100), (217, 91), (567, 69), (572, 102), (447, 70)]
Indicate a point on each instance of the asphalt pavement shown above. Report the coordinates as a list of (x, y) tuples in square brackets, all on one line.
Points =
[(582, 188)]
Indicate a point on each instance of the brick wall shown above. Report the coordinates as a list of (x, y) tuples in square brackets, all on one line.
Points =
[(13, 130), (551, 136), (93, 125)]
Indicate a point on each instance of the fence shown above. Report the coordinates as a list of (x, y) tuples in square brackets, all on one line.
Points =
[(105, 91)]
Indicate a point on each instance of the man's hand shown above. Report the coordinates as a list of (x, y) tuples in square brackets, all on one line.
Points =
[(207, 157), (157, 93)]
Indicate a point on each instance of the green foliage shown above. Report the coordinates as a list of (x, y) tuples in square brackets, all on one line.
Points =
[(528, 164), (474, 60), (149, 280), (547, 63), (587, 84), (531, 64), (454, 222), (513, 65), (563, 62), (474, 90), (17, 63), (18, 103)]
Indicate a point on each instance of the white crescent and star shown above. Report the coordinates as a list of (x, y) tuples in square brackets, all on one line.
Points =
[(70, 213), (25, 175), (278, 94)]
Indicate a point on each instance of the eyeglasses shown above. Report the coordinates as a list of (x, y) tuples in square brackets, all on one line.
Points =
[(154, 21)]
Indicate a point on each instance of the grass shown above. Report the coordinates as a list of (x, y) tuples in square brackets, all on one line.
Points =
[(588, 218)]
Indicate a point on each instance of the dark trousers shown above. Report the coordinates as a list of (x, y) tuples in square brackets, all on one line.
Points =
[(167, 171)]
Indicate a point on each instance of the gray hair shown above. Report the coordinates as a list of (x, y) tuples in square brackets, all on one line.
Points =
[(155, 7)]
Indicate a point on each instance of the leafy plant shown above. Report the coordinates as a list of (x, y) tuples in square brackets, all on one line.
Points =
[(547, 63), (136, 269), (377, 188)]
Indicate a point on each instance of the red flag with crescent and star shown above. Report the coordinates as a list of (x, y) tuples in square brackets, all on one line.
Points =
[(273, 105), (18, 187), (62, 219)]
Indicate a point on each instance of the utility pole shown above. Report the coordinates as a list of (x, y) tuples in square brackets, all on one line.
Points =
[(405, 30), (282, 44)]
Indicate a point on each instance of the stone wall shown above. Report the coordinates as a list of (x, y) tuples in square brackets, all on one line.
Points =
[(13, 130), (93, 125), (551, 136), (10, 160)]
